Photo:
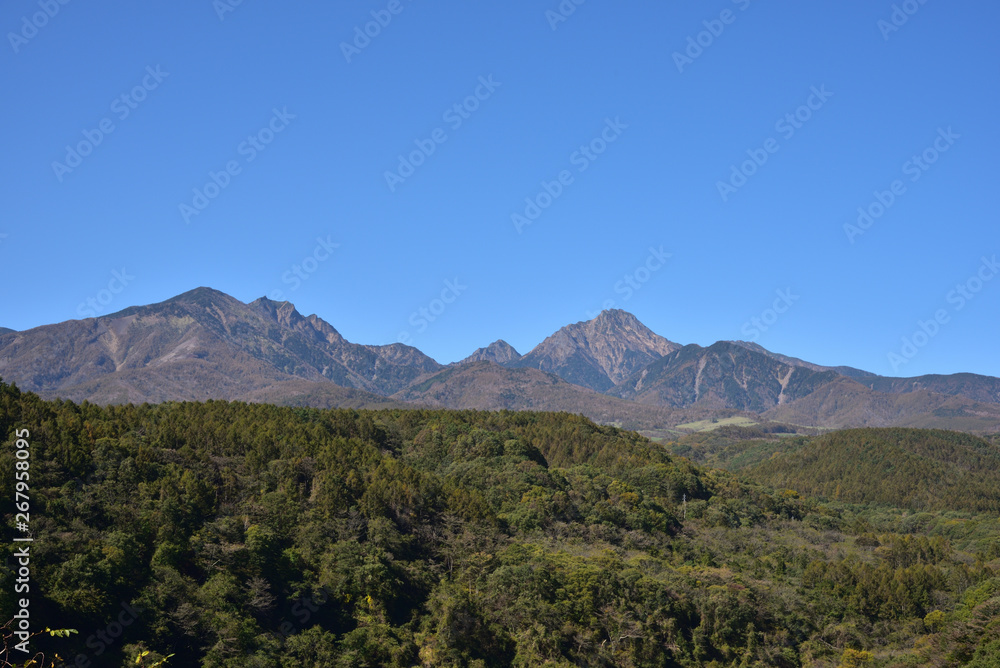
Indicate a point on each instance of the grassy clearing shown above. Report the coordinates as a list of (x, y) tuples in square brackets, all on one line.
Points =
[(709, 425)]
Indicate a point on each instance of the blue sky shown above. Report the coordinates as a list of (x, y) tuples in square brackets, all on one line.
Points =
[(611, 118)]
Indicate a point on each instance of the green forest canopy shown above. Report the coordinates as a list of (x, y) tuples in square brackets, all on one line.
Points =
[(250, 535)]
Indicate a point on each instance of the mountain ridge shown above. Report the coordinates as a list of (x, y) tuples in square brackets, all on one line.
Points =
[(225, 347), (205, 344)]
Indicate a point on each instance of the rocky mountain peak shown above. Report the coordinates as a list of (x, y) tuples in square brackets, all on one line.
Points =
[(601, 352)]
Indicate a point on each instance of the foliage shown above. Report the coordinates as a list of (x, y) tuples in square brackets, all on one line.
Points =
[(232, 534)]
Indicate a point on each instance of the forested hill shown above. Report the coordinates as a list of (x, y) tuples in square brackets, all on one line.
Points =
[(238, 535), (920, 469), (911, 468)]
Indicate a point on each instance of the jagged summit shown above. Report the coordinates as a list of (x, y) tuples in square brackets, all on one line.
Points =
[(285, 314), (601, 352)]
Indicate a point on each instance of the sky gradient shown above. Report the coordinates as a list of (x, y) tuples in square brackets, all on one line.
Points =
[(470, 171)]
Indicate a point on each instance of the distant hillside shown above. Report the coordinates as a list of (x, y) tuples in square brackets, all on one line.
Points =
[(297, 392), (5, 330), (973, 386), (499, 352), (488, 386), (985, 389), (745, 377), (724, 375), (598, 353), (845, 402), (910, 468)]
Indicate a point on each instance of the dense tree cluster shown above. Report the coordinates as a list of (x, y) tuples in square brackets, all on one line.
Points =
[(243, 535)]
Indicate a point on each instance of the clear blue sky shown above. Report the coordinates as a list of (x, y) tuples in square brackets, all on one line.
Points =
[(677, 126)]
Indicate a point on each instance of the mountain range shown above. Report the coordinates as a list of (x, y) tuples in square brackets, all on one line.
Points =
[(204, 344)]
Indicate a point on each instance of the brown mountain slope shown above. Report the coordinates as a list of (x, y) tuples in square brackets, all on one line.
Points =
[(848, 371), (746, 377), (724, 375), (297, 392), (598, 353), (499, 351), (197, 380), (973, 386), (200, 344), (489, 386), (846, 403)]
